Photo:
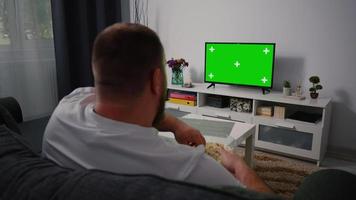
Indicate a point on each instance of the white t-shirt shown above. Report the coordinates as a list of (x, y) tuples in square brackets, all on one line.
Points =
[(77, 137)]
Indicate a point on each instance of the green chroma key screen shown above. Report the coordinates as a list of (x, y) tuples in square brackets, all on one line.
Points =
[(249, 64)]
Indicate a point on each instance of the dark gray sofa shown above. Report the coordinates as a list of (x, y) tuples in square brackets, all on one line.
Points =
[(24, 174)]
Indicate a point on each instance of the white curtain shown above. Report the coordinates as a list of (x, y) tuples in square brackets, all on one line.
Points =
[(27, 61)]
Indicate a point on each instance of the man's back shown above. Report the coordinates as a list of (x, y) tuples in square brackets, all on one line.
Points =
[(77, 137)]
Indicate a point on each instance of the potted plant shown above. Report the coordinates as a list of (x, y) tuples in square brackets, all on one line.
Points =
[(177, 66), (315, 80), (286, 88)]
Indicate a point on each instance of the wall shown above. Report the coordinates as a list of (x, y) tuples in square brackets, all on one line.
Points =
[(313, 37)]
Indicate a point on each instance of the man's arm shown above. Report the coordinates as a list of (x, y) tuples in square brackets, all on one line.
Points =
[(183, 133), (208, 172), (237, 166)]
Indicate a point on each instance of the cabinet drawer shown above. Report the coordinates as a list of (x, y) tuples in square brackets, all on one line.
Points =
[(286, 137), (289, 125)]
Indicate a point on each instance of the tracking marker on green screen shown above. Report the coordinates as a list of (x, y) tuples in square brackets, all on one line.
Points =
[(249, 64)]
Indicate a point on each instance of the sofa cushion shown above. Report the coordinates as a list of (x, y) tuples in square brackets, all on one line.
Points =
[(25, 175)]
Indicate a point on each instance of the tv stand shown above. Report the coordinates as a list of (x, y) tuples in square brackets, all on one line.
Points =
[(278, 133), (265, 91), (211, 85)]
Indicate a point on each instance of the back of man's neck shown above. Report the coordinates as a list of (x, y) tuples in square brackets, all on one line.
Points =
[(128, 113)]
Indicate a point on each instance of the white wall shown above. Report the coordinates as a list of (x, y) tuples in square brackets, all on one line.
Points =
[(313, 37)]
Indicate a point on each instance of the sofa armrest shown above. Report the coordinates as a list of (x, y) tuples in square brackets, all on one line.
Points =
[(10, 113), (14, 108)]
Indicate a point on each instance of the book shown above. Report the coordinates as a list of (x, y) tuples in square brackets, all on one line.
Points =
[(182, 102), (184, 96)]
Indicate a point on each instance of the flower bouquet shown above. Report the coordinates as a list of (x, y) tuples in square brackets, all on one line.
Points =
[(177, 66)]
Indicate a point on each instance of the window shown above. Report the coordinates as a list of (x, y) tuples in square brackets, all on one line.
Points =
[(4, 28), (24, 22), (27, 60), (37, 22)]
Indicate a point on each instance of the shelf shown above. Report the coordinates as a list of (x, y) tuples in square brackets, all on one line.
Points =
[(215, 109), (310, 138), (192, 109), (252, 93), (225, 113)]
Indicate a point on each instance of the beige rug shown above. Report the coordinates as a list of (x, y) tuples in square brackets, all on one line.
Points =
[(283, 175)]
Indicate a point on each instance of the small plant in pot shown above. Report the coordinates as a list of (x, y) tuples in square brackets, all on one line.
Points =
[(315, 80), (286, 88)]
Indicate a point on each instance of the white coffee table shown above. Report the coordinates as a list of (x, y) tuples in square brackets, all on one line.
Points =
[(239, 133)]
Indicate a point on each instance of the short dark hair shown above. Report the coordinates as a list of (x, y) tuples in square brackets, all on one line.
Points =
[(124, 55)]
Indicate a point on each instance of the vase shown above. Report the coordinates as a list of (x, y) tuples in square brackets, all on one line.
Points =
[(177, 77), (287, 91), (314, 95)]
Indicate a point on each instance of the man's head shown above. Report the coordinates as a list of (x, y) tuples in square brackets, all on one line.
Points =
[(128, 64)]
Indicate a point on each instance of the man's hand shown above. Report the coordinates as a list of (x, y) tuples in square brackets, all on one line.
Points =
[(238, 167), (183, 133), (231, 162)]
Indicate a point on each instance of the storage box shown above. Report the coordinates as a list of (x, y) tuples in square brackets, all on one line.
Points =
[(265, 111), (241, 105), (217, 101), (279, 112)]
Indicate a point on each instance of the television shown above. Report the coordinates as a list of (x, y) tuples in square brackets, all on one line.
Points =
[(246, 64)]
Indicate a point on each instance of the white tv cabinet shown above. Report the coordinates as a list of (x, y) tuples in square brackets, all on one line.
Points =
[(284, 136)]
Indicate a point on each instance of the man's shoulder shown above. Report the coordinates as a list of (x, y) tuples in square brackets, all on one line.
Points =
[(73, 108), (79, 92), (81, 96)]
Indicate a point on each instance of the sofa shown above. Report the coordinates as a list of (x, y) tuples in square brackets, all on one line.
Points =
[(24, 174)]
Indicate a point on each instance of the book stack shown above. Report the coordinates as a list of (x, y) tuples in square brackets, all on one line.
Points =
[(183, 98)]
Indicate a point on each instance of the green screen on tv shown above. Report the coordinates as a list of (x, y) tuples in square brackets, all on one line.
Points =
[(249, 64)]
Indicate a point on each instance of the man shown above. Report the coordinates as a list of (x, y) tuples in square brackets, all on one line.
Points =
[(111, 127)]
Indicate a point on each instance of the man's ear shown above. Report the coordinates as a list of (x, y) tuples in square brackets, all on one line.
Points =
[(157, 81)]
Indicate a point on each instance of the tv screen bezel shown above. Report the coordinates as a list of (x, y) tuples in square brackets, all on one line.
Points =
[(225, 83)]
